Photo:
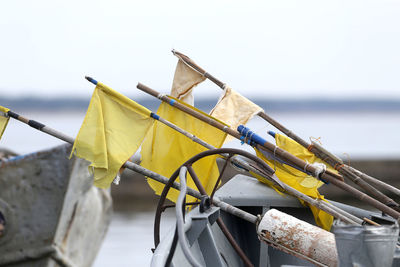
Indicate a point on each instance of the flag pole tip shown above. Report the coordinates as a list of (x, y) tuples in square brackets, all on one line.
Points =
[(90, 79), (272, 133)]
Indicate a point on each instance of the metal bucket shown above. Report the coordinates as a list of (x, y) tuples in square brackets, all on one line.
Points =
[(368, 246)]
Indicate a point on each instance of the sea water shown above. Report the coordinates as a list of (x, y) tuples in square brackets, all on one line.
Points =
[(355, 135), (130, 237)]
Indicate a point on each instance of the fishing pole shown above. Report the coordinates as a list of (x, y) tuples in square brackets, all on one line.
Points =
[(239, 162), (41, 127), (351, 173), (270, 176), (157, 177), (46, 129), (135, 167), (279, 152)]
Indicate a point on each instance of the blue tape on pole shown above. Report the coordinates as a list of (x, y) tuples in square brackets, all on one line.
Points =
[(172, 101), (252, 137), (90, 79), (272, 133), (258, 139), (154, 116), (242, 130)]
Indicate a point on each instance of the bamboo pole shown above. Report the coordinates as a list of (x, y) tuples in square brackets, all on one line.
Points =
[(280, 153), (155, 176), (263, 173), (337, 214), (145, 172), (41, 127), (376, 181), (352, 174)]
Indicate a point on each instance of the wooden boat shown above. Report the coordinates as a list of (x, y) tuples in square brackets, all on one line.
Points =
[(50, 211)]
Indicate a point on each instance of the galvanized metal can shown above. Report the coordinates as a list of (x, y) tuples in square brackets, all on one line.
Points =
[(363, 245)]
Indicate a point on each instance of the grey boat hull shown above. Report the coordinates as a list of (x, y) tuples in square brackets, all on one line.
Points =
[(53, 214)]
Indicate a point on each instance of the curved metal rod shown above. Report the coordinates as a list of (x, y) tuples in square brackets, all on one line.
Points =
[(196, 180), (227, 161), (180, 203), (168, 185)]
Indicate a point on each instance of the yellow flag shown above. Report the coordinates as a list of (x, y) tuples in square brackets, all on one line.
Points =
[(112, 131), (234, 109), (164, 149), (3, 119), (297, 179), (185, 79)]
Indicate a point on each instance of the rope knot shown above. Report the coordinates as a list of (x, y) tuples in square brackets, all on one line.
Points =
[(319, 168)]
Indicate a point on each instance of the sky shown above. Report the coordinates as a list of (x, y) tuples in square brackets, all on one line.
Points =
[(270, 49)]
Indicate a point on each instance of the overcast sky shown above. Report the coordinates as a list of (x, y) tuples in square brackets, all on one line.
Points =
[(268, 48)]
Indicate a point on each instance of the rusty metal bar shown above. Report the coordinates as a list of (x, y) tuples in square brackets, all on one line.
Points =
[(196, 180), (171, 183), (220, 176), (233, 242)]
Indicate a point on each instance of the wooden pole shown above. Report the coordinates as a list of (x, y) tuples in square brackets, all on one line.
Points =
[(263, 173), (352, 174), (132, 166), (41, 127), (271, 148), (337, 213), (155, 176)]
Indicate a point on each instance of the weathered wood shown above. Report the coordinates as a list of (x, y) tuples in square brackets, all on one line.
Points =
[(355, 176), (279, 152)]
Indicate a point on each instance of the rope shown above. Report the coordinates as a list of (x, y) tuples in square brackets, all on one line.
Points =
[(315, 140), (160, 96), (117, 179), (310, 147), (305, 166), (338, 166), (276, 147), (319, 169), (348, 158)]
